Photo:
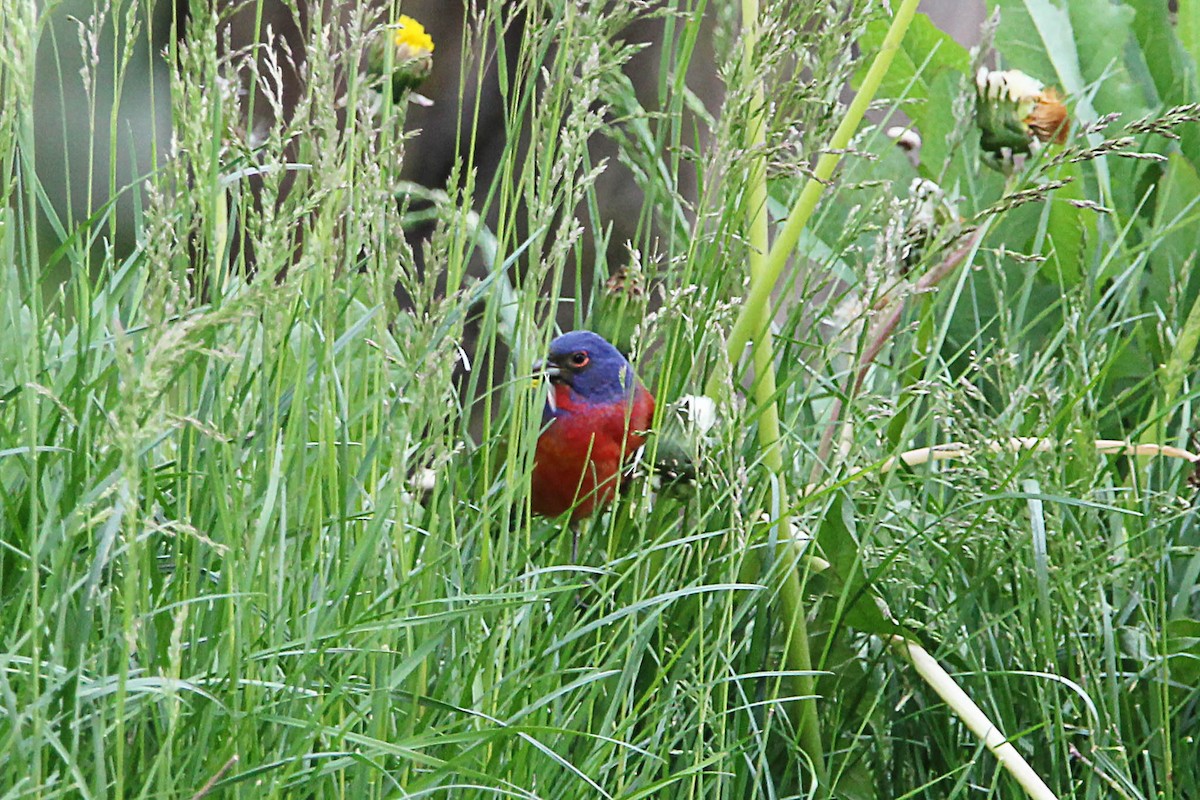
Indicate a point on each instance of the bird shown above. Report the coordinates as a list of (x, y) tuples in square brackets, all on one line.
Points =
[(596, 416)]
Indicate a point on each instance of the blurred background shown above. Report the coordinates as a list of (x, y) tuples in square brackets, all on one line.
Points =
[(96, 138)]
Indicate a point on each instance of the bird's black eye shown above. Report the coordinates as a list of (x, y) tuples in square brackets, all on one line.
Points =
[(579, 360)]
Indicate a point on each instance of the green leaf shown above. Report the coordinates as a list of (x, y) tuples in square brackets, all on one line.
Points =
[(1183, 650), (837, 539), (925, 53), (860, 606), (926, 76), (1187, 26), (1105, 43), (1163, 53), (1068, 229), (1176, 213), (1028, 33)]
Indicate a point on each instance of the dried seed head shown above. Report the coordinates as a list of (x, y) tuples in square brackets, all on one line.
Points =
[(1048, 118), (625, 281), (1016, 113)]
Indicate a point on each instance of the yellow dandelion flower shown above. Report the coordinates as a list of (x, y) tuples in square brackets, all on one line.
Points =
[(410, 39), (402, 55)]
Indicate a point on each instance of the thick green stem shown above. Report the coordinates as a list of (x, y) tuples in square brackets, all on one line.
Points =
[(765, 267), (796, 652), (796, 655), (755, 314)]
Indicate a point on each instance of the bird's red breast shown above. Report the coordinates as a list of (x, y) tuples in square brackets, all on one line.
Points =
[(581, 455), (596, 416)]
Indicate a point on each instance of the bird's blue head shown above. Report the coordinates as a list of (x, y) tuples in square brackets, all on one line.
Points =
[(595, 372)]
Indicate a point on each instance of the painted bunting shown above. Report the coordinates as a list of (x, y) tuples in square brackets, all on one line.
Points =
[(596, 415)]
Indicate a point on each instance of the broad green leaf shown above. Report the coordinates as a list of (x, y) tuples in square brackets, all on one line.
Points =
[(925, 53), (1022, 45), (863, 609), (926, 76), (1170, 63), (1176, 214), (1165, 57), (1187, 27), (1105, 42), (1183, 650), (1068, 230)]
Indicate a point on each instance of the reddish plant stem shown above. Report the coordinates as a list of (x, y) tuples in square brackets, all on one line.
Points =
[(881, 331)]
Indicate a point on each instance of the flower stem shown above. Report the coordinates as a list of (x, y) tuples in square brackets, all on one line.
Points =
[(796, 651), (971, 715), (765, 265)]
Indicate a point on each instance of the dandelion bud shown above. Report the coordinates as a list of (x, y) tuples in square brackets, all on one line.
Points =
[(906, 139), (1016, 113), (622, 304), (928, 216)]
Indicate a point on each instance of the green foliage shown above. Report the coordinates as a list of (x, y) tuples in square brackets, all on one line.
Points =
[(928, 73), (269, 538)]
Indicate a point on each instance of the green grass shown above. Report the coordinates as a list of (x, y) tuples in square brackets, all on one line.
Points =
[(257, 539)]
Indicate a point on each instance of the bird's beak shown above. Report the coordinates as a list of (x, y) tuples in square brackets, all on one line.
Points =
[(543, 368), (543, 371)]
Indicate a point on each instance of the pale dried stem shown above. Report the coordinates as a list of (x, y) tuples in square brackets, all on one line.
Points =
[(953, 450), (208, 786), (972, 716)]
